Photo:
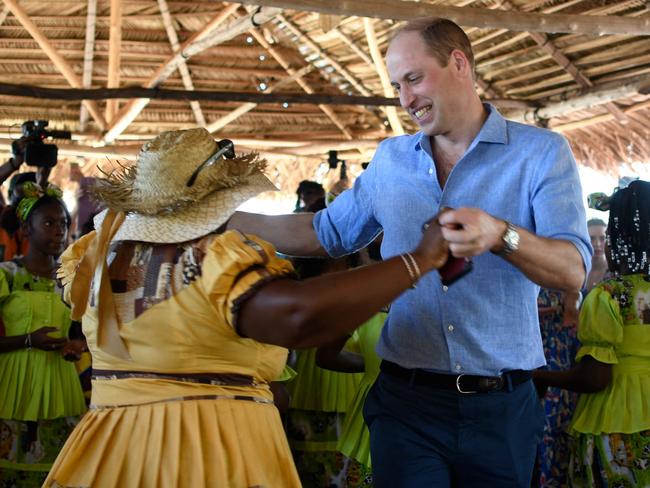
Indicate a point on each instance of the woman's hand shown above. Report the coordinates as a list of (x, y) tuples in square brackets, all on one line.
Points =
[(73, 349), (41, 340), (433, 250)]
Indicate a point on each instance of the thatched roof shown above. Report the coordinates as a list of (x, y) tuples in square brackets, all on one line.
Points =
[(581, 67)]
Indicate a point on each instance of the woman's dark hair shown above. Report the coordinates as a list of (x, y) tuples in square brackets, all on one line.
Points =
[(46, 200), (307, 187), (628, 231)]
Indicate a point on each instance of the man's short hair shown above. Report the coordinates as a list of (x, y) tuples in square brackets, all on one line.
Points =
[(595, 222), (441, 37)]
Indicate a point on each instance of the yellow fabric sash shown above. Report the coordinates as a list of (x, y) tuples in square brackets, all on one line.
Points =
[(93, 267)]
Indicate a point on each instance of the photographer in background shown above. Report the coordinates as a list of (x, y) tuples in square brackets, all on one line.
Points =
[(30, 149)]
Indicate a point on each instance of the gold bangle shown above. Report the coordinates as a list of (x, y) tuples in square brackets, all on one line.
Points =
[(416, 268), (411, 272)]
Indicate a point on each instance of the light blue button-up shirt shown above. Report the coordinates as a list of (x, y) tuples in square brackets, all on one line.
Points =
[(486, 323)]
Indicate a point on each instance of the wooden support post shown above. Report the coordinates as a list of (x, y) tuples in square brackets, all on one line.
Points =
[(114, 54), (89, 53)]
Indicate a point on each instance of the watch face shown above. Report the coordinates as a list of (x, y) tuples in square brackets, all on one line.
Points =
[(511, 239)]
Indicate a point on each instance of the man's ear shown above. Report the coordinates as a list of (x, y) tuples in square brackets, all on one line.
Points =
[(460, 61)]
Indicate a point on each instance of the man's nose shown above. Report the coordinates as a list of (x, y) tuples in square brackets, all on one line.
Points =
[(406, 97)]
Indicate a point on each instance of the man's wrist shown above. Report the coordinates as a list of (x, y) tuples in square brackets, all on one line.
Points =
[(508, 240)]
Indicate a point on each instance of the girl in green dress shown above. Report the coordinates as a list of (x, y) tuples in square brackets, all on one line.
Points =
[(40, 392), (612, 419)]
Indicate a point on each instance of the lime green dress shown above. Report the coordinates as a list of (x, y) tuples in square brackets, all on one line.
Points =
[(40, 392), (612, 426), (354, 441)]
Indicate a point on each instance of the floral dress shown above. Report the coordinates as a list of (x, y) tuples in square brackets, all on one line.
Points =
[(612, 426), (560, 347)]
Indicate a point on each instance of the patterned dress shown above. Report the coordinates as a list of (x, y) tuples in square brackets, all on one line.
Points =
[(560, 347), (612, 426)]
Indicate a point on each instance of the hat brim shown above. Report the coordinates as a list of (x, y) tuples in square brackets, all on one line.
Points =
[(192, 222)]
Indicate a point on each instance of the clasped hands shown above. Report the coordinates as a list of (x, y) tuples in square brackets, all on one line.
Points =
[(462, 233)]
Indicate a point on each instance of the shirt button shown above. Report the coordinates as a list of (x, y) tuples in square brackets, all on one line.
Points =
[(458, 367), (445, 288), (430, 171), (450, 328)]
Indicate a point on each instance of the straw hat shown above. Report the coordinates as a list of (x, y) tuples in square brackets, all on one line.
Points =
[(155, 196)]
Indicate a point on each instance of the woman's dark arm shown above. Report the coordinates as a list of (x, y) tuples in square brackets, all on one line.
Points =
[(302, 314), (588, 376), (332, 356), (38, 339)]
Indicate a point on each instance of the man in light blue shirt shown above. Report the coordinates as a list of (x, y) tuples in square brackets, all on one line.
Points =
[(454, 402)]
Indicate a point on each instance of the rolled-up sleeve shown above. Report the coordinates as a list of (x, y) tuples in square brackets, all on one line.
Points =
[(557, 199), (348, 223)]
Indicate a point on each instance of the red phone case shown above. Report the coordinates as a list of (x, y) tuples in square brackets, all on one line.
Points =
[(454, 269)]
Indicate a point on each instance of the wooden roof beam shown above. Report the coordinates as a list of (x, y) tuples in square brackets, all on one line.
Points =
[(89, 51), (3, 14), (475, 17), (114, 52), (601, 94), (58, 60), (204, 39), (244, 108), (548, 46), (301, 82), (182, 65), (580, 124), (380, 67)]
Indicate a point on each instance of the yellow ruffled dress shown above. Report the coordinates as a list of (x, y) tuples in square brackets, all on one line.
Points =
[(163, 430)]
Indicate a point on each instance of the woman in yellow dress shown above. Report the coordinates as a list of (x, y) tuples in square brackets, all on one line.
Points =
[(187, 325)]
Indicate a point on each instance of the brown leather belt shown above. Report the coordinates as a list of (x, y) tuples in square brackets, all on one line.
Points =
[(222, 379), (462, 383)]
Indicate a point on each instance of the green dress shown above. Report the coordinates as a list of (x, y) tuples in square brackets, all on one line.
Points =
[(612, 426), (354, 441), (40, 392)]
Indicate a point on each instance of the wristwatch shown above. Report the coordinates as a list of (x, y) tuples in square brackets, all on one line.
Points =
[(510, 240)]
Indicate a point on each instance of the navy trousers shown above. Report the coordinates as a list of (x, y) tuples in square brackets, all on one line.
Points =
[(422, 437)]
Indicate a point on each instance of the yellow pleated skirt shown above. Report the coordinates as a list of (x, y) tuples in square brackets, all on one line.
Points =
[(178, 443)]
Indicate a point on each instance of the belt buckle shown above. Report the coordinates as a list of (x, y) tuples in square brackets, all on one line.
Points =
[(460, 390)]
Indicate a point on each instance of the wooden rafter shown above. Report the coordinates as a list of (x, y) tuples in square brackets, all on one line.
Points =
[(182, 65), (114, 53), (580, 124), (301, 82), (601, 94), (476, 17), (3, 14), (89, 51), (380, 67), (221, 122), (56, 58), (204, 39)]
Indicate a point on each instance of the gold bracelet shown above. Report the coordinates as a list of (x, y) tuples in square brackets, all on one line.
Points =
[(411, 272), (416, 268)]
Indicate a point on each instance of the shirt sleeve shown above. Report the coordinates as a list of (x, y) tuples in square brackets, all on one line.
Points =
[(601, 327), (348, 223), (557, 199), (234, 267)]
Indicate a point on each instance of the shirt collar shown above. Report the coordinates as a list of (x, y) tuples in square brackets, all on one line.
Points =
[(494, 130)]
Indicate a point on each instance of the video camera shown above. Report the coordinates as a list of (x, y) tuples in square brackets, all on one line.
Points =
[(31, 146)]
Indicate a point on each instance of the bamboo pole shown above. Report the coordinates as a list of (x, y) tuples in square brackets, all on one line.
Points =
[(58, 61), (476, 17), (380, 67), (114, 51), (89, 48)]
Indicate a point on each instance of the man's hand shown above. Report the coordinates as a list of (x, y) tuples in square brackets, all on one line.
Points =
[(471, 231)]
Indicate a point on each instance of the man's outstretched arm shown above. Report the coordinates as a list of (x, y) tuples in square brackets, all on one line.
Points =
[(291, 234)]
